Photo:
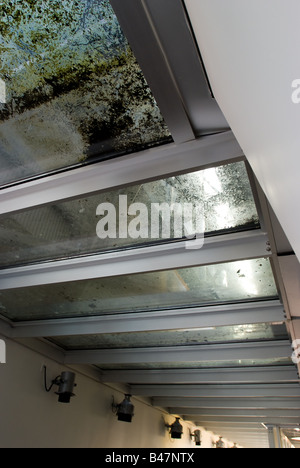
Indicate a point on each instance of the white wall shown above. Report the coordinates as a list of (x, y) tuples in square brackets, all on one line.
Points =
[(32, 418), (251, 53)]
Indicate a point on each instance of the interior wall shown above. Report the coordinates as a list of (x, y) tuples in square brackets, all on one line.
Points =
[(250, 51), (33, 418)]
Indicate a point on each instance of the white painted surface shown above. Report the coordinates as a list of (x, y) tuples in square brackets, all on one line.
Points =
[(32, 418), (251, 53)]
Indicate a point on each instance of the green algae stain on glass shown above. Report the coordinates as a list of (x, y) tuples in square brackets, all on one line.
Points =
[(71, 88)]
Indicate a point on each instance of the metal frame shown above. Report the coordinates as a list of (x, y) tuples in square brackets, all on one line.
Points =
[(228, 376), (224, 352), (168, 55), (270, 420), (262, 419), (227, 403), (145, 43), (239, 412), (216, 391), (196, 317), (132, 169), (233, 247)]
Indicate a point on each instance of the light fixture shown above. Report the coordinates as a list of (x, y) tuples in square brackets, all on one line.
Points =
[(125, 410), (220, 444), (66, 384), (176, 429), (196, 435)]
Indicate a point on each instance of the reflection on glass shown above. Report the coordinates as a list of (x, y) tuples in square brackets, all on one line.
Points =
[(229, 282), (235, 333), (220, 198), (70, 88)]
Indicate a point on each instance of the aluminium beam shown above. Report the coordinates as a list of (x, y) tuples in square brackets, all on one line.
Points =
[(220, 420), (220, 249), (228, 403), (237, 426), (132, 169), (159, 32), (216, 391), (190, 318), (237, 413), (143, 37), (240, 434), (182, 52), (244, 375), (194, 354), (242, 437)]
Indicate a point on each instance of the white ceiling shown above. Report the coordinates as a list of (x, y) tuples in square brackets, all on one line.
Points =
[(251, 53)]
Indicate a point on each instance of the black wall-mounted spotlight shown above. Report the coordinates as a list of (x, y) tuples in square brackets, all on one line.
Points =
[(176, 429), (125, 410), (65, 383), (220, 444), (196, 435)]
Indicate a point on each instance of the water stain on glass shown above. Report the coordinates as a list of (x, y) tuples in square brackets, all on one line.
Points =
[(221, 196), (186, 287), (73, 88)]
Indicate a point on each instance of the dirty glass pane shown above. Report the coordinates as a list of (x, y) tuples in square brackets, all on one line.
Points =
[(70, 88), (219, 199), (232, 334), (212, 284)]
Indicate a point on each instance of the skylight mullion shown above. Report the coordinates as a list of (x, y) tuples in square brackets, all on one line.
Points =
[(131, 169), (136, 23), (233, 247), (189, 318)]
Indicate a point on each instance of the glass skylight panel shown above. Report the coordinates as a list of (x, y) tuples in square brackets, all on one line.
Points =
[(228, 334), (213, 284), (70, 88), (219, 199)]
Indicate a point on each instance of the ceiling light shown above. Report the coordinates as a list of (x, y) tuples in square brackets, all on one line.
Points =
[(125, 410), (220, 444), (66, 384), (196, 436), (176, 429)]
